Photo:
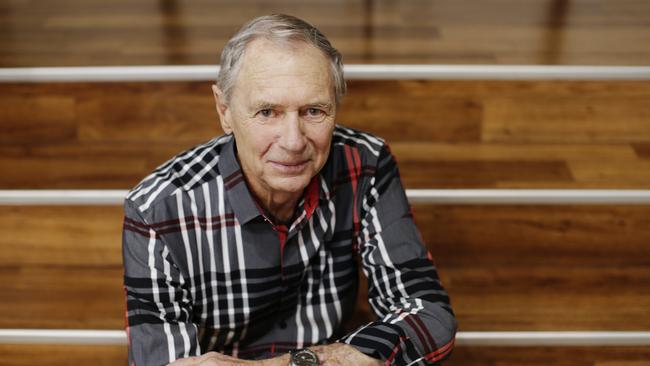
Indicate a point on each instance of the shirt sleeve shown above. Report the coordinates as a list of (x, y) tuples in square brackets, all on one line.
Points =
[(159, 311), (416, 325)]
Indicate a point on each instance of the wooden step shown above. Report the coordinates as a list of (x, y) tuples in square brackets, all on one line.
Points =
[(489, 134), (506, 267), (583, 32), (526, 298), (457, 235)]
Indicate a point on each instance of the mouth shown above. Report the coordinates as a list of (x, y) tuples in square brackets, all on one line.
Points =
[(291, 167)]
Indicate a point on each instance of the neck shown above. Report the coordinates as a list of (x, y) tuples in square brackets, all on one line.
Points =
[(280, 206)]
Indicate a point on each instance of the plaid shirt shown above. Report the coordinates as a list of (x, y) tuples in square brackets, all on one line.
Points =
[(206, 270)]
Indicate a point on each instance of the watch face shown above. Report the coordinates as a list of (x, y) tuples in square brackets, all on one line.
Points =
[(304, 358)]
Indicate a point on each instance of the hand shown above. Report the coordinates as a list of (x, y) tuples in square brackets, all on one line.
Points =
[(335, 354), (338, 354), (219, 359)]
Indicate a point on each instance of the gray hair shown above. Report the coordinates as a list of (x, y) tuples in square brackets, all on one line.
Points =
[(278, 28)]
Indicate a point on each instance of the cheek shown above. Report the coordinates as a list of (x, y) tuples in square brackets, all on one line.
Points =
[(259, 140), (321, 141)]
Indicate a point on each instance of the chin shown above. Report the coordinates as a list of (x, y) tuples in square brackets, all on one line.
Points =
[(291, 184)]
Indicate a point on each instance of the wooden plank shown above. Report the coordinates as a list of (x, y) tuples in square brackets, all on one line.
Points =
[(63, 297), (547, 297), (448, 31), (531, 235), (481, 174), (62, 355), (575, 120), (61, 236), (642, 150), (414, 118), (49, 118)]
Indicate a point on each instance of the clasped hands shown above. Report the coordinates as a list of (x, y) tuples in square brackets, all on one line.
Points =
[(335, 354)]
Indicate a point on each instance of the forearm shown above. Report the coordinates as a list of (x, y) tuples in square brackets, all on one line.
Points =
[(219, 359)]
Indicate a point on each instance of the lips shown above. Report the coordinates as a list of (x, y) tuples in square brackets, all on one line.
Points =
[(290, 167)]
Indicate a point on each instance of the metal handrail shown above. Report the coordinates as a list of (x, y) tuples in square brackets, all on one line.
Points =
[(515, 338), (351, 72), (424, 196)]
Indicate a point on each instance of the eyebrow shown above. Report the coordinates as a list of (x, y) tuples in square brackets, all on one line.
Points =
[(262, 105), (322, 105), (267, 105)]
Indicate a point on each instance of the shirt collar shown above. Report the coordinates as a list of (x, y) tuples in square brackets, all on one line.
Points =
[(235, 187)]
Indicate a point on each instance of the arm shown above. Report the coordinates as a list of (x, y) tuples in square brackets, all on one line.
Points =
[(159, 310), (416, 323)]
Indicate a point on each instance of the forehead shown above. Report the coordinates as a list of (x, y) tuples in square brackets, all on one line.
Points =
[(284, 71)]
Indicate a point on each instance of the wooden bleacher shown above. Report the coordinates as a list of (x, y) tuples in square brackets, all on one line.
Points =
[(505, 267)]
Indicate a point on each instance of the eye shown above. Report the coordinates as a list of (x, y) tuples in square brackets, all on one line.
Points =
[(314, 114), (266, 113)]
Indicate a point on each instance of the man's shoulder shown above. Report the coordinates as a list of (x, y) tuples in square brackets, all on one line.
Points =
[(347, 140), (182, 172), (354, 156)]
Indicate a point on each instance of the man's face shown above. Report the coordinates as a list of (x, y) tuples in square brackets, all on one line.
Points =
[(281, 112)]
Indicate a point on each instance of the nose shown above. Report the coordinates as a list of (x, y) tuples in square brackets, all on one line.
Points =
[(292, 136)]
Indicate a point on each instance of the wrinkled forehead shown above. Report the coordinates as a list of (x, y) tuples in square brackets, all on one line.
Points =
[(271, 64)]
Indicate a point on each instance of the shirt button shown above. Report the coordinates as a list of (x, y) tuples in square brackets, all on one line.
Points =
[(283, 324)]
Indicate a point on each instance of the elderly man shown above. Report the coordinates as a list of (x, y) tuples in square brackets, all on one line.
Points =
[(244, 250)]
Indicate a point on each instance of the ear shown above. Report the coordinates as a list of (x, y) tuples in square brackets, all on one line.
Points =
[(222, 109)]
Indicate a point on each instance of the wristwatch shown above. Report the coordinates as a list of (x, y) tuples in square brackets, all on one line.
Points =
[(303, 357)]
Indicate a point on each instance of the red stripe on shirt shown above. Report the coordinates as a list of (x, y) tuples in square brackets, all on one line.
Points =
[(354, 163), (426, 332), (441, 352), (420, 334)]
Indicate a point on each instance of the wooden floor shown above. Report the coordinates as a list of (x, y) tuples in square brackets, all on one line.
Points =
[(123, 32)]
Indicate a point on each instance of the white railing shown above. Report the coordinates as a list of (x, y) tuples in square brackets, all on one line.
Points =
[(430, 196), (352, 72), (583, 338)]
